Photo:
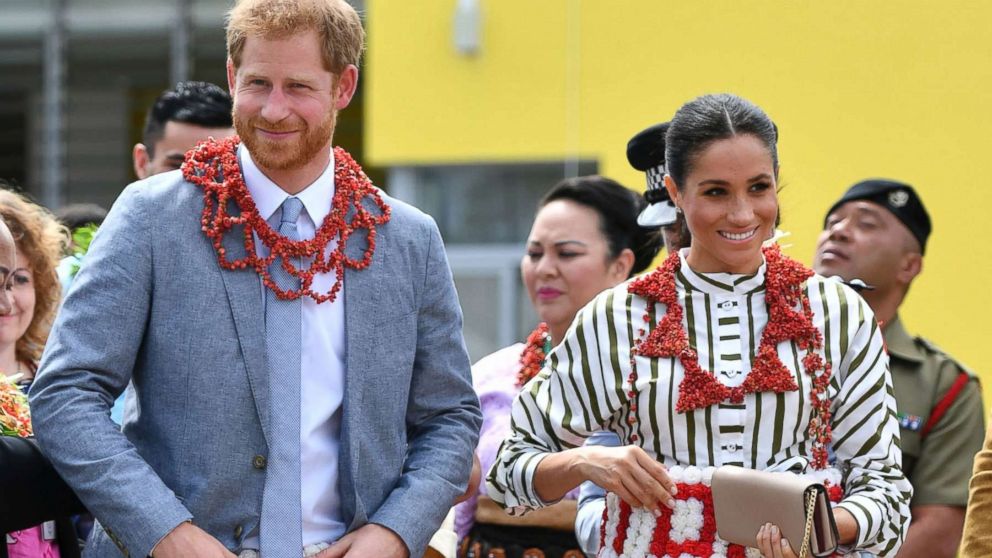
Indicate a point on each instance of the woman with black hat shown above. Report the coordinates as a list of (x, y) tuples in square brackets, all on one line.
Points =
[(727, 354)]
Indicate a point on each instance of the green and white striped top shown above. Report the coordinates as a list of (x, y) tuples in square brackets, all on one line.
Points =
[(582, 390)]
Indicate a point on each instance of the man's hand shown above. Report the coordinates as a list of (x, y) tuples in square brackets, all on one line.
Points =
[(368, 541), (934, 533), (473, 480), (189, 541)]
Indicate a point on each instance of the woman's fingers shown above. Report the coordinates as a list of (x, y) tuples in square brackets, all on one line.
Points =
[(772, 544), (633, 475), (646, 489), (658, 472)]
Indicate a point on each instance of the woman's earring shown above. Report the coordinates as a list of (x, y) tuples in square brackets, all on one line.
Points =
[(678, 210)]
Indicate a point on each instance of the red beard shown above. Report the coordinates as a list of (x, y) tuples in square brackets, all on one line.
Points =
[(286, 154)]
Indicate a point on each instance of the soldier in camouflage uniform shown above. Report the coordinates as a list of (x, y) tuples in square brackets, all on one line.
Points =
[(877, 233)]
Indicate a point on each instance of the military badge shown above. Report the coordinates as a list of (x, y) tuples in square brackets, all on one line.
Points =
[(913, 423), (898, 198)]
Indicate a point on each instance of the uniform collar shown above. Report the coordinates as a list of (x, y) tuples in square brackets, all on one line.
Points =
[(899, 343), (720, 284), (268, 196)]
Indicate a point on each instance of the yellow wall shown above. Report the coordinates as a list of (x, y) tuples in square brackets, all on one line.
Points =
[(858, 89)]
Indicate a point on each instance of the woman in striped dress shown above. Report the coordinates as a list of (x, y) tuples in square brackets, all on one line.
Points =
[(727, 354)]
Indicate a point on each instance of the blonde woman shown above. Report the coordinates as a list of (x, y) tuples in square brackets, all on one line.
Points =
[(33, 293)]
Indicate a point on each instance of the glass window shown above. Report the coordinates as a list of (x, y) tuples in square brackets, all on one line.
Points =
[(484, 213)]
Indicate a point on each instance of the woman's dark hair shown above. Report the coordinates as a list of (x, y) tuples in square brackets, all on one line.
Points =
[(709, 118), (617, 208)]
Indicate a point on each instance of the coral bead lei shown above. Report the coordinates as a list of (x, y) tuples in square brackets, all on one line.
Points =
[(790, 318), (213, 165), (535, 350)]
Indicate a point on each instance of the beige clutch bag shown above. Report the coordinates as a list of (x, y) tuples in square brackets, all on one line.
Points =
[(746, 499)]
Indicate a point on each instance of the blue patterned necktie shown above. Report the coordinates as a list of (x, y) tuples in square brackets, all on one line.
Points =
[(281, 534)]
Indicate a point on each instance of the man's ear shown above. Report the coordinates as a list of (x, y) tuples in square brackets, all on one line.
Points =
[(910, 266), (347, 84), (139, 156), (230, 76)]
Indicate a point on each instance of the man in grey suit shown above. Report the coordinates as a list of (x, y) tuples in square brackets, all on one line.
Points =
[(292, 334)]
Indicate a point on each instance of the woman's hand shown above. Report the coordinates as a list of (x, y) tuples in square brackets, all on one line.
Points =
[(629, 472), (772, 544)]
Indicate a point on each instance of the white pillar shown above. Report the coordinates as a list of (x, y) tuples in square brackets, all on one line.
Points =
[(53, 108)]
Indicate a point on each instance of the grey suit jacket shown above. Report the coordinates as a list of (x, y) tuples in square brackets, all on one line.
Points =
[(151, 306)]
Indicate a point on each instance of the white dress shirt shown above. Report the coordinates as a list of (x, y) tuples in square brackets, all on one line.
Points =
[(322, 363)]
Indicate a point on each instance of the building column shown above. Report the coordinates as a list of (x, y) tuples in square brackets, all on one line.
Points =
[(53, 108), (180, 58)]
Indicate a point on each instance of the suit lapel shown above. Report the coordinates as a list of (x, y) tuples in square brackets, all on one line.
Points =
[(361, 293), (244, 294)]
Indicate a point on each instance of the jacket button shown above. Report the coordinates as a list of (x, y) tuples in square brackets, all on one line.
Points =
[(258, 462), (237, 532)]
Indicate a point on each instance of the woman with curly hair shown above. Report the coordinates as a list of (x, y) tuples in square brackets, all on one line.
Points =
[(34, 286), (33, 292)]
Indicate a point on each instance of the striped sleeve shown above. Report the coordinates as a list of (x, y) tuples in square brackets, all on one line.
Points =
[(866, 441), (579, 389)]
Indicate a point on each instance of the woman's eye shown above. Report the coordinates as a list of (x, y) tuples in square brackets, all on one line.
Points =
[(713, 192), (760, 187), (567, 255), (534, 255), (22, 279)]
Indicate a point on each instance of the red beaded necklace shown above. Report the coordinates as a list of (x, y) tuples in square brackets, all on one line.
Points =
[(784, 293), (213, 165), (535, 350)]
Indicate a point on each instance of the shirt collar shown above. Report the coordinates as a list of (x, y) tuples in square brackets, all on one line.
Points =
[(720, 284), (268, 196), (899, 343)]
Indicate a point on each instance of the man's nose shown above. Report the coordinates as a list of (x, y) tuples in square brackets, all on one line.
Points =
[(276, 106), (839, 230)]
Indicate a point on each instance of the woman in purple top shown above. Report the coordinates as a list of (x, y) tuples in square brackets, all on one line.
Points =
[(585, 239)]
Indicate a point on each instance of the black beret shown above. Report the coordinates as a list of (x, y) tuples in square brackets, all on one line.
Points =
[(898, 198), (646, 152)]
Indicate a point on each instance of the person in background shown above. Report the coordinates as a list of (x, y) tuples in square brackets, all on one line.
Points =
[(76, 215), (877, 233), (585, 239), (82, 220), (179, 119), (646, 153), (976, 542), (31, 293)]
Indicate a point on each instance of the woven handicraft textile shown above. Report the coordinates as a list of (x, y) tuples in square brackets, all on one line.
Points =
[(689, 530)]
